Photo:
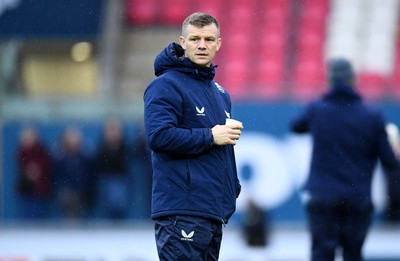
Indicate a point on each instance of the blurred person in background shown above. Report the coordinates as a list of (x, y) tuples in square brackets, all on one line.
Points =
[(111, 171), (392, 210), (72, 172), (255, 225), (195, 182), (348, 140), (34, 174)]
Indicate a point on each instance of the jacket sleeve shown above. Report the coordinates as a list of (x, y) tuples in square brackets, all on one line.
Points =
[(301, 124), (163, 111), (385, 153), (391, 167)]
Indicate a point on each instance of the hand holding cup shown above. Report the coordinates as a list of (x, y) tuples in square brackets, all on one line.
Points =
[(228, 133), (235, 124)]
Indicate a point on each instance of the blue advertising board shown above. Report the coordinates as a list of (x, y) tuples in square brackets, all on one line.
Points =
[(272, 163)]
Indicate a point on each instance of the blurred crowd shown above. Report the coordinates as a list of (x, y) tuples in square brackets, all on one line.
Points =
[(69, 182)]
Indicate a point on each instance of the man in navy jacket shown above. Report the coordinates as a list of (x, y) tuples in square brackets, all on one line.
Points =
[(195, 183), (348, 140)]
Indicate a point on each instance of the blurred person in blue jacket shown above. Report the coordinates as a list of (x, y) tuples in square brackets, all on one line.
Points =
[(255, 225), (349, 139), (72, 170), (195, 183)]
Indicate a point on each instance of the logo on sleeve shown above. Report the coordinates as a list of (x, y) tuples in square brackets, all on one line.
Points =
[(228, 115), (187, 237), (200, 112)]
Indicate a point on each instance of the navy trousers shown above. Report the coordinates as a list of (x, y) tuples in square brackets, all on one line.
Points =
[(183, 238), (339, 226)]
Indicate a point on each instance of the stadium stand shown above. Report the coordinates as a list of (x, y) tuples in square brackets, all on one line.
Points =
[(277, 49)]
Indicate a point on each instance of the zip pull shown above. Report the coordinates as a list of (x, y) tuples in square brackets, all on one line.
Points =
[(223, 223)]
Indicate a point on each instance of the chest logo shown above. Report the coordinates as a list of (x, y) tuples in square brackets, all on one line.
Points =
[(200, 111)]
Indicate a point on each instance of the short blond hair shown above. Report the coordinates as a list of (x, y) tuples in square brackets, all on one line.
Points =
[(199, 20)]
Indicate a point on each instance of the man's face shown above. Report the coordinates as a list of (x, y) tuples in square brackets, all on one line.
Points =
[(201, 44)]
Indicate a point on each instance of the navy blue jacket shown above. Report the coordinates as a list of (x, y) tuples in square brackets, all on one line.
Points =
[(348, 140), (191, 176)]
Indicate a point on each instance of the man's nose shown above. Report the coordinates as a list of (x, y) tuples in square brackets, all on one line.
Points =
[(202, 44)]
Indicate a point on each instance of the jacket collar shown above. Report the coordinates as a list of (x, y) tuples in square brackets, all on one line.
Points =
[(173, 58)]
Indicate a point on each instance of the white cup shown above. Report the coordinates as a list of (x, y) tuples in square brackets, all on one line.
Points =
[(232, 122)]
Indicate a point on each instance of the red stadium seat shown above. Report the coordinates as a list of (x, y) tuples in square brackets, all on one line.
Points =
[(215, 8), (234, 76), (309, 79), (142, 12), (395, 81), (173, 12), (268, 79), (270, 71), (371, 85)]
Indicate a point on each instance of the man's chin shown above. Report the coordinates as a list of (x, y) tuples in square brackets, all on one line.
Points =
[(202, 63)]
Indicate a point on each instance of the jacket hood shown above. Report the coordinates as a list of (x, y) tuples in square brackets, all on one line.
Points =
[(173, 58)]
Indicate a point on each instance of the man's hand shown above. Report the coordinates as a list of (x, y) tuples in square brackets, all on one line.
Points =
[(226, 134)]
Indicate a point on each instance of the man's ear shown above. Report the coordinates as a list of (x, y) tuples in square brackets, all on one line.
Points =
[(182, 42), (219, 43)]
